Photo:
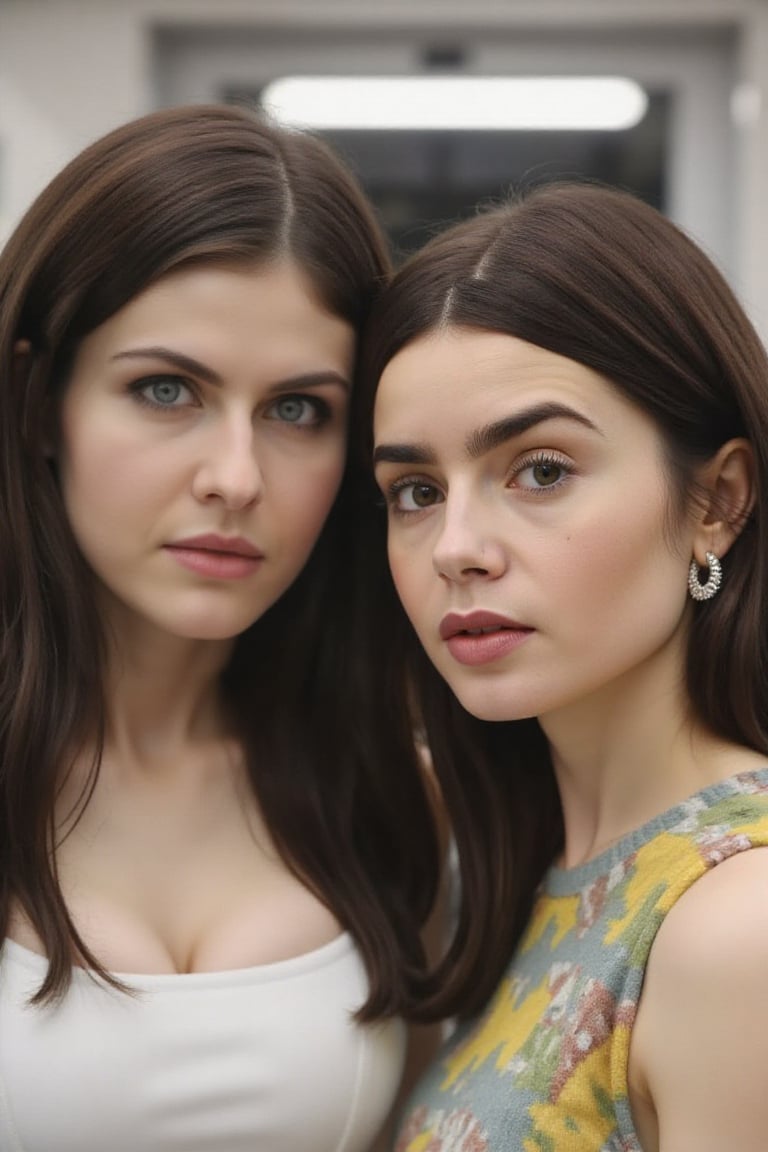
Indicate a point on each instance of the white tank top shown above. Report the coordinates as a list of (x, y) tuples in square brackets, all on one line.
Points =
[(263, 1059)]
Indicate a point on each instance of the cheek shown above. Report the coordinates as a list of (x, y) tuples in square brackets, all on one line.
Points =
[(96, 449), (103, 515), (412, 575), (100, 478), (623, 577), (306, 502)]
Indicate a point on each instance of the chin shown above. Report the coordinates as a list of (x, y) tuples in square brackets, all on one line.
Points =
[(491, 703), (497, 715), (209, 628)]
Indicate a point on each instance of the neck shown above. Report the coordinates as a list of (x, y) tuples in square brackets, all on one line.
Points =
[(163, 694), (630, 752)]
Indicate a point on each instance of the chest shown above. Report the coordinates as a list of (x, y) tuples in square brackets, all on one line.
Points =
[(546, 1067), (183, 883), (263, 1058), (534, 1071)]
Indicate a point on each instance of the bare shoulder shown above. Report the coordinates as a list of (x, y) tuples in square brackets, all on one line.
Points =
[(725, 908), (700, 1042), (712, 948)]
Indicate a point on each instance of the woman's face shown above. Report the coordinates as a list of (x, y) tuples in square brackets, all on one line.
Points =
[(529, 522), (201, 445)]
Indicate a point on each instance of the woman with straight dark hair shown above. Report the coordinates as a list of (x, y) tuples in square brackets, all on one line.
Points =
[(571, 437), (211, 901)]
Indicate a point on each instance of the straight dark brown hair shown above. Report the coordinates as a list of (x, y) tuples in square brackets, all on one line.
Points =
[(321, 711), (593, 274)]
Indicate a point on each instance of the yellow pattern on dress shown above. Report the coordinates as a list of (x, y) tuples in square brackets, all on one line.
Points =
[(563, 911), (512, 1016), (420, 1143), (556, 1123), (645, 885)]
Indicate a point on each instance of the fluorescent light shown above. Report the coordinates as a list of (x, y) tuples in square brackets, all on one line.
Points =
[(533, 103)]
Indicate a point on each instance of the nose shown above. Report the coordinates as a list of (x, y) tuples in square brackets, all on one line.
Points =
[(469, 546), (229, 468)]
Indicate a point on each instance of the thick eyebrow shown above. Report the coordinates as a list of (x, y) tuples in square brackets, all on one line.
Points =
[(403, 454), (185, 363), (485, 439), (194, 367), (492, 435)]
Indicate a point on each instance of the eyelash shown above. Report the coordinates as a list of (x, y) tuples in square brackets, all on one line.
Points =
[(403, 483), (322, 409), (545, 458), (139, 389)]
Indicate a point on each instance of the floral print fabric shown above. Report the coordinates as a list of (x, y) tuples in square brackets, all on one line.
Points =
[(544, 1067)]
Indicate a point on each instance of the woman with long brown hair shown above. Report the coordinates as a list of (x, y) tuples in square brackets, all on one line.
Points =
[(210, 900), (571, 437)]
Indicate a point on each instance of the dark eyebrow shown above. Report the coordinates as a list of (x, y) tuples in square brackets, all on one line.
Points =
[(312, 380), (492, 435), (194, 367), (487, 438), (178, 359), (403, 454)]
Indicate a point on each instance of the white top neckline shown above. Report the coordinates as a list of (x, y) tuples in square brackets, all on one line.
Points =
[(266, 1057), (274, 970)]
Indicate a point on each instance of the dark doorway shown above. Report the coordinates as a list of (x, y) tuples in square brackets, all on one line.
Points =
[(421, 181)]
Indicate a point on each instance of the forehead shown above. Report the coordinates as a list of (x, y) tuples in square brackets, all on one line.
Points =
[(266, 312), (455, 378), (281, 287)]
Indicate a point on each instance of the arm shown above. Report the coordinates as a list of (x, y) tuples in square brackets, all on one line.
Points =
[(699, 1053)]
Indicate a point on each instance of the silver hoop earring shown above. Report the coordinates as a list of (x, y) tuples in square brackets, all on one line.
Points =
[(706, 591)]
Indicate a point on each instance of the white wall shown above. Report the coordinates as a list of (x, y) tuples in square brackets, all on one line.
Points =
[(72, 69)]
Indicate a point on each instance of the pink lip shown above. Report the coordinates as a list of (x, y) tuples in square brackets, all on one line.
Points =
[(220, 557), (210, 542), (468, 645)]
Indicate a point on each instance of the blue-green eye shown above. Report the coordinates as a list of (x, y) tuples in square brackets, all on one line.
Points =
[(299, 410), (163, 392)]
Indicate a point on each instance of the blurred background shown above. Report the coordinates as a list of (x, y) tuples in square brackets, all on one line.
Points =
[(684, 127)]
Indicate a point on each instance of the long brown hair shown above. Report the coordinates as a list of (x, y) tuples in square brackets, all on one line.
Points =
[(325, 721), (593, 274)]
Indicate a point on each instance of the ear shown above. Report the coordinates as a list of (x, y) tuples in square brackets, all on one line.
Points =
[(727, 499), (23, 357)]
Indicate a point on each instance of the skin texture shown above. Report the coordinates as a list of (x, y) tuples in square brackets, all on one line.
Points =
[(567, 526), (214, 402), (698, 1077), (248, 456), (170, 867), (559, 555)]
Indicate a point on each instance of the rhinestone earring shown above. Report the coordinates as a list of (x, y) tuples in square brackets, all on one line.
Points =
[(706, 591)]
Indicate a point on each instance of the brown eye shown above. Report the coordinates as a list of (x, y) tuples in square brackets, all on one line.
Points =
[(542, 473), (423, 495), (413, 496), (546, 473)]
